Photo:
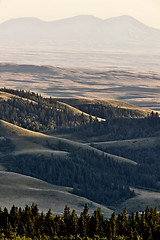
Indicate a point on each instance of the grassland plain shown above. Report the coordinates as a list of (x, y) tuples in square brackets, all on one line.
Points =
[(137, 87)]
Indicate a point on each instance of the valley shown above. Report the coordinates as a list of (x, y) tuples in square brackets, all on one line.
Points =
[(79, 120), (113, 153), (24, 190)]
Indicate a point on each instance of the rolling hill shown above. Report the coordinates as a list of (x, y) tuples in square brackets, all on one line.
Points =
[(21, 190), (131, 143), (32, 111), (63, 110), (32, 148), (74, 157), (143, 198), (98, 107), (49, 158), (27, 141)]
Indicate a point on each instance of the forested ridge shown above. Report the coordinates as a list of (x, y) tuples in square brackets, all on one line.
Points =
[(147, 157), (116, 129), (39, 114), (28, 223), (108, 111)]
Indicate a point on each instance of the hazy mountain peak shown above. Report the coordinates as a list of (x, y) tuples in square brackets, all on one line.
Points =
[(86, 17), (82, 30), (125, 19), (24, 20), (80, 19)]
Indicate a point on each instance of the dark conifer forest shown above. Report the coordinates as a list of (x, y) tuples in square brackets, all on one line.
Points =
[(32, 111), (28, 223)]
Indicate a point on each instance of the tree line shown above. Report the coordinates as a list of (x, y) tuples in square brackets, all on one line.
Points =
[(146, 156), (108, 111), (95, 177), (116, 129), (29, 223), (37, 113)]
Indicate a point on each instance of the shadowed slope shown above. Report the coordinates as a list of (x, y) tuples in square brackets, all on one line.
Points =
[(142, 199), (20, 190), (29, 140)]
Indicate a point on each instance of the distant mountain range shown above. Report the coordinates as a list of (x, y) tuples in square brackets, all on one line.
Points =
[(81, 31)]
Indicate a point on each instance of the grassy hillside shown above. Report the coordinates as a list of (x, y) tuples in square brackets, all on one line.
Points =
[(145, 151), (107, 108), (103, 161), (4, 96), (112, 130), (79, 112), (34, 112), (29, 142), (50, 158), (131, 143), (21, 190), (143, 198), (64, 162)]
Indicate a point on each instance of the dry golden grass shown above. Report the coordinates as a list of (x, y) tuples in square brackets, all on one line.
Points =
[(138, 87), (5, 96), (79, 112), (106, 102), (9, 129)]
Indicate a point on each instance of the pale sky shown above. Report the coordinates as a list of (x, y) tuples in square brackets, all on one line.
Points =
[(147, 11)]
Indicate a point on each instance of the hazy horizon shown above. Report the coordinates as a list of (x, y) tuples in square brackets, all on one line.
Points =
[(74, 16), (146, 11)]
